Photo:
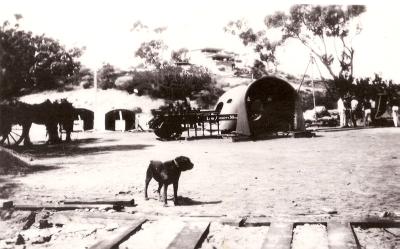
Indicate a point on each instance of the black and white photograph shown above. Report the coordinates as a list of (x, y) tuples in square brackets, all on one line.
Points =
[(176, 124)]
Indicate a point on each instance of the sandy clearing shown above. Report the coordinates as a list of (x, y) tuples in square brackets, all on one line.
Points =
[(378, 238), (353, 172), (310, 236), (335, 176), (226, 236)]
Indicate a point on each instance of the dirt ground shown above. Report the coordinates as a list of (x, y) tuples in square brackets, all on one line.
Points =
[(336, 175)]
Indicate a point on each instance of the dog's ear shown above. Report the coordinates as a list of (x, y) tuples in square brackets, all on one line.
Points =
[(182, 159)]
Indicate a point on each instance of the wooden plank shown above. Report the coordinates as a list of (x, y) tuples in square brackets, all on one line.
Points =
[(130, 203), (340, 236), (47, 207), (117, 239), (233, 222), (8, 204), (190, 236), (29, 220), (279, 236), (376, 223), (204, 137), (85, 217), (256, 222)]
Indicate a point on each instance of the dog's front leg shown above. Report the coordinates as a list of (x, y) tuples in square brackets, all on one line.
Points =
[(159, 191), (146, 185), (165, 194), (175, 184), (149, 175)]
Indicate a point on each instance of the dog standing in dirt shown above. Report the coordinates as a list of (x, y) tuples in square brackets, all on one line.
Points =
[(166, 173)]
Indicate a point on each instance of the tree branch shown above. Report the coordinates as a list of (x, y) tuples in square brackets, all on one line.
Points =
[(351, 61), (334, 45), (323, 42), (344, 45), (319, 57), (350, 55)]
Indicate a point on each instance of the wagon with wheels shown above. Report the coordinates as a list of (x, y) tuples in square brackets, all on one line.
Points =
[(197, 123), (12, 136), (11, 131), (16, 119)]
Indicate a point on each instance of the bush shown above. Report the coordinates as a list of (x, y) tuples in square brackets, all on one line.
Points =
[(176, 83), (86, 84), (361, 88), (33, 62), (107, 76), (321, 99)]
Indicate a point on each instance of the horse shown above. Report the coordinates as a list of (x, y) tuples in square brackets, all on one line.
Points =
[(52, 115), (65, 115)]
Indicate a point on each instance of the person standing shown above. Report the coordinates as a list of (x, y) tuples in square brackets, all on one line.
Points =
[(367, 111), (342, 112), (353, 112), (347, 109), (373, 110), (395, 112)]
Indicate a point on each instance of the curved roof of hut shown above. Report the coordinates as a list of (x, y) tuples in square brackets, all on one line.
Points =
[(269, 77), (233, 93)]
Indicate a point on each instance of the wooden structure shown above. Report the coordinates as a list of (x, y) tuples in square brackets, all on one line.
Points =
[(197, 124), (340, 234)]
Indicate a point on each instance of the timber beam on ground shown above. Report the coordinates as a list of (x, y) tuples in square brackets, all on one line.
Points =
[(280, 234), (340, 233), (69, 205), (48, 207), (120, 237), (130, 203), (190, 237)]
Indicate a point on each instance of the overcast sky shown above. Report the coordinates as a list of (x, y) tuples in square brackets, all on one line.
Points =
[(104, 28)]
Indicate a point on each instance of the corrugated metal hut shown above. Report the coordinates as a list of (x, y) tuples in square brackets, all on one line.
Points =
[(269, 104)]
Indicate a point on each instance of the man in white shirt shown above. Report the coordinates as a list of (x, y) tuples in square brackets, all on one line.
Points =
[(354, 105), (342, 113), (395, 112)]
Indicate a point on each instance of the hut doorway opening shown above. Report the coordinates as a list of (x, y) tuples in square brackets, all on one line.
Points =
[(86, 116), (120, 119), (270, 105)]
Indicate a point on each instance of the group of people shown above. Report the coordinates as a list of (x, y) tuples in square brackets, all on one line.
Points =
[(351, 109)]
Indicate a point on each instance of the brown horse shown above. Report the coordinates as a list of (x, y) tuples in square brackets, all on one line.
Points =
[(52, 115), (65, 114)]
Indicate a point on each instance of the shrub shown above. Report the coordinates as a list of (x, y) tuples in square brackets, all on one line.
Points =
[(176, 83)]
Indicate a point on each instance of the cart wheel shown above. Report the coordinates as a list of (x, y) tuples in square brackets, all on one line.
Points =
[(168, 131), (12, 136)]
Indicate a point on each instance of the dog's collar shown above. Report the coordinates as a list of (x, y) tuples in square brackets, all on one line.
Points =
[(176, 164)]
